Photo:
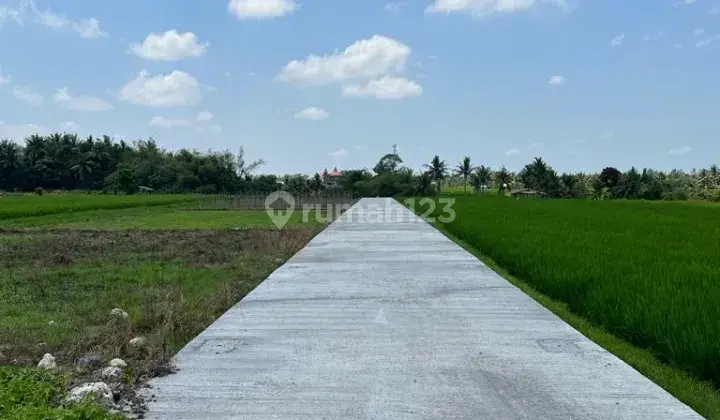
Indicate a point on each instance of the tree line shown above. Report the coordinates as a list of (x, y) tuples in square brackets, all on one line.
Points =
[(64, 161)]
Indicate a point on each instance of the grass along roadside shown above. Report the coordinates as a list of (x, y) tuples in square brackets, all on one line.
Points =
[(59, 286), (700, 396), (161, 217)]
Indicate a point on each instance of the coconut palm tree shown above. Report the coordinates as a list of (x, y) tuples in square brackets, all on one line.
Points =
[(438, 171), (464, 169), (503, 179), (481, 176)]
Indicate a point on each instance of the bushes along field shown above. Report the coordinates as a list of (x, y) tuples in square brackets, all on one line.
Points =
[(648, 272)]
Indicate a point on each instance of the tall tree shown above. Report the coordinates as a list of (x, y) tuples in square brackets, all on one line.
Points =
[(502, 177), (464, 169), (438, 171), (481, 177)]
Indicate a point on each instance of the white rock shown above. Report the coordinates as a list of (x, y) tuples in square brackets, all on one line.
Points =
[(52, 323), (47, 362), (99, 390), (111, 372), (138, 342), (118, 363), (119, 313)]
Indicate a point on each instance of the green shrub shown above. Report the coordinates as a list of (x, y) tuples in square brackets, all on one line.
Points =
[(31, 394)]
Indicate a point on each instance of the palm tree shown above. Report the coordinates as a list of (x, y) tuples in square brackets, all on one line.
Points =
[(82, 169), (464, 169), (437, 170), (245, 169), (503, 178), (481, 176), (422, 183)]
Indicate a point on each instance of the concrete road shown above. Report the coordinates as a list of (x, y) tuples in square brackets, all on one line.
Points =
[(383, 317)]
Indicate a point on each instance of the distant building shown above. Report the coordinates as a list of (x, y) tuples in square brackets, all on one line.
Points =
[(331, 179)]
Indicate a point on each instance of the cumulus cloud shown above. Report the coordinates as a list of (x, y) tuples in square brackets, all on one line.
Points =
[(89, 28), (339, 153), (395, 6), (365, 58), (312, 113), (512, 152), (386, 87), (483, 8), (169, 46), (557, 80), (28, 10), (201, 122), (18, 132), (618, 40), (175, 89), (70, 126), (261, 9), (28, 95), (682, 150), (80, 103)]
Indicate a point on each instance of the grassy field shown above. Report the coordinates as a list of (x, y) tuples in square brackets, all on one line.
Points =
[(16, 206), (647, 272), (173, 271), (154, 218)]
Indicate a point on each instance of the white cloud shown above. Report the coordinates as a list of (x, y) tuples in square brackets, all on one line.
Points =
[(261, 9), (363, 59), (50, 19), (70, 126), (20, 131), (312, 113), (653, 37), (169, 46), (685, 2), (536, 144), (482, 8), (27, 95), (557, 80), (86, 28), (4, 79), (683, 150), (714, 11), (706, 41), (396, 6), (386, 87), (698, 31), (8, 13), (212, 128), (80, 103), (678, 46), (339, 153), (512, 152), (618, 40), (174, 89), (89, 28), (169, 122), (201, 122), (204, 116)]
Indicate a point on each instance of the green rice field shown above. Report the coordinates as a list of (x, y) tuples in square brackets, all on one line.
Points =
[(647, 272)]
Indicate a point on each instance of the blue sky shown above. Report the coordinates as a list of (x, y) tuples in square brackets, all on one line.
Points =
[(322, 83)]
